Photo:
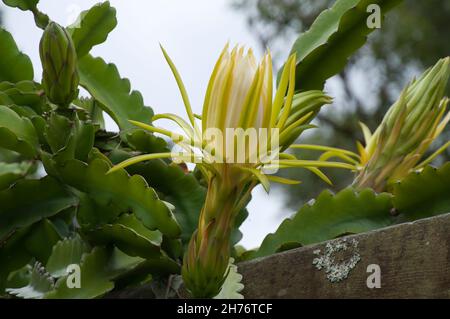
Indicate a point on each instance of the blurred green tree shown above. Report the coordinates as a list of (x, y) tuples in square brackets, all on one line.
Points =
[(412, 38)]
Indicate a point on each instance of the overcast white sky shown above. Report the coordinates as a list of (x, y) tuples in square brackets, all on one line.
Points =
[(193, 32)]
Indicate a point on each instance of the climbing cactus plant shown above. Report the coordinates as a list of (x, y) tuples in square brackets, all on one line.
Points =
[(122, 210)]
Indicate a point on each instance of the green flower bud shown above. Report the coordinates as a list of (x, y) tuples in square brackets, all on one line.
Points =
[(60, 77), (407, 131)]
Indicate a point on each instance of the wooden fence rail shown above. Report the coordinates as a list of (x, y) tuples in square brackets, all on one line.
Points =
[(406, 261)]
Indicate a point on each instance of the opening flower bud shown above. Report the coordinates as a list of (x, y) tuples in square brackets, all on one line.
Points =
[(407, 131)]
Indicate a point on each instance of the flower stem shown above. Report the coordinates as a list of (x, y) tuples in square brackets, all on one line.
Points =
[(206, 261)]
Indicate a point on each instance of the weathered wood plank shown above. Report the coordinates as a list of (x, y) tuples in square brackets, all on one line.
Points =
[(414, 260)]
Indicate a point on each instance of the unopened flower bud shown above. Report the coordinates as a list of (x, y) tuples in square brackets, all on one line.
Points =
[(60, 77)]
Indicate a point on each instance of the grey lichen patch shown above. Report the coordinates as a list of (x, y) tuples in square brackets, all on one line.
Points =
[(337, 270)]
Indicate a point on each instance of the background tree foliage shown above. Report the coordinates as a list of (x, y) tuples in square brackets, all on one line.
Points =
[(411, 39)]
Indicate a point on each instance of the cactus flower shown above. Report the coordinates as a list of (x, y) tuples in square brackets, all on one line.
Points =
[(239, 97)]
